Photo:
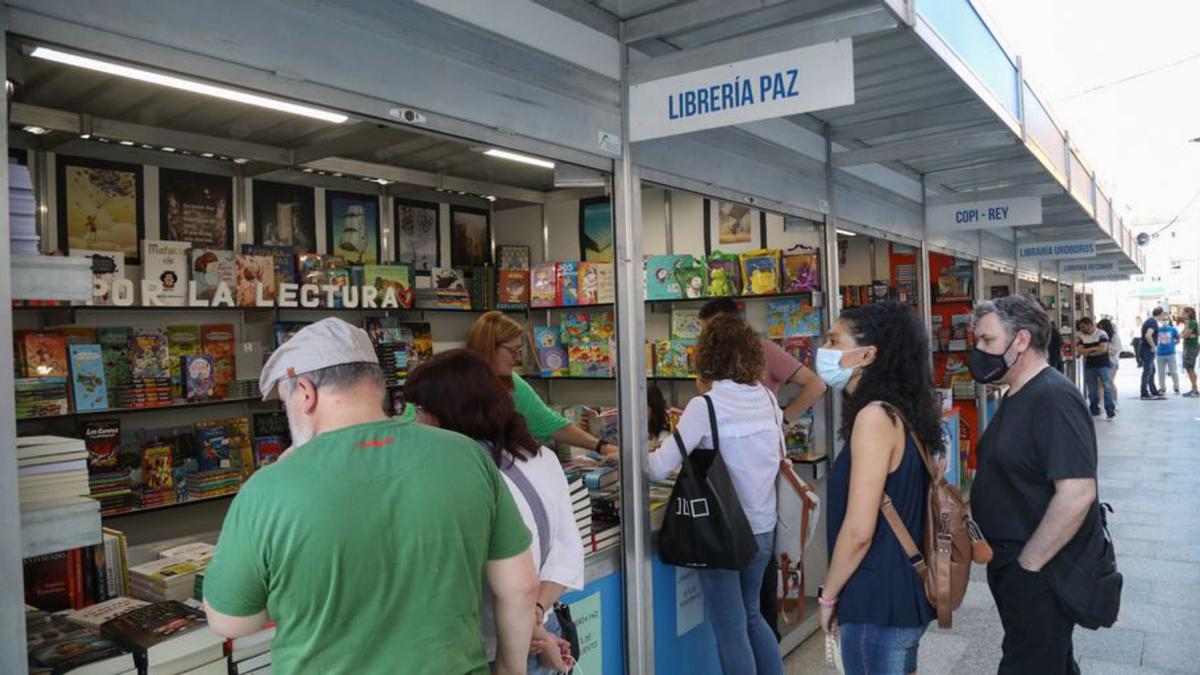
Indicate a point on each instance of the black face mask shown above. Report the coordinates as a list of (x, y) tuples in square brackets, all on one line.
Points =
[(987, 368)]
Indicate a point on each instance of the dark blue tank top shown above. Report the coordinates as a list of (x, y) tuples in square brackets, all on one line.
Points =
[(884, 590)]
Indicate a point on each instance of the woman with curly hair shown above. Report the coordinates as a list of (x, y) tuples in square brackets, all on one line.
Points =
[(879, 356), (750, 435)]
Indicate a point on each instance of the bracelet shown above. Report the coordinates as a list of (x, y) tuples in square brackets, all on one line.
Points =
[(827, 602), (599, 444)]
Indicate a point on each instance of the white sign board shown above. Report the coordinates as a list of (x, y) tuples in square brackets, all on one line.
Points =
[(978, 215), (1053, 250), (776, 85), (1111, 276), (1089, 267)]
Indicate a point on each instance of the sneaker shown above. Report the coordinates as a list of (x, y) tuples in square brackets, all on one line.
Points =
[(1147, 397), (1095, 413), (1111, 415), (1160, 397), (1192, 394)]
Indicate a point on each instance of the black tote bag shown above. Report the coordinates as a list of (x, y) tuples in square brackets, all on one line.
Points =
[(1084, 574), (705, 526)]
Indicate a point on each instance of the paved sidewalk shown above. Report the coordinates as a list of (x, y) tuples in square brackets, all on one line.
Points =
[(1150, 473)]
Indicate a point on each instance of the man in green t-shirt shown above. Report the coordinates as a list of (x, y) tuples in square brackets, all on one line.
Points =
[(368, 543), (1191, 347)]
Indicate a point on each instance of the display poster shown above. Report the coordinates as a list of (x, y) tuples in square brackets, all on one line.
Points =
[(470, 238), (418, 237), (100, 206), (284, 216), (1056, 249), (595, 230), (800, 80), (587, 616), (196, 208), (689, 601), (985, 214), (352, 227)]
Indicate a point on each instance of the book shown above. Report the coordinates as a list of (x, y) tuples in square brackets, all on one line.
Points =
[(92, 617), (284, 330), (114, 345), (149, 355), (551, 357), (67, 648), (78, 335), (283, 257), (543, 285), (162, 632), (46, 582), (800, 348), (606, 283), (182, 341), (661, 282), (788, 318), (723, 274), (672, 358), (103, 441), (87, 378), (510, 257), (760, 271), (166, 262), (210, 268), (692, 276), (685, 323), (43, 353), (512, 289), (603, 327), (270, 424), (801, 269), (241, 447), (567, 283), (396, 278), (267, 450), (589, 359), (590, 277), (574, 327), (157, 467), (310, 269), (253, 272), (961, 334), (214, 448), (107, 267), (451, 286), (199, 377), (217, 340)]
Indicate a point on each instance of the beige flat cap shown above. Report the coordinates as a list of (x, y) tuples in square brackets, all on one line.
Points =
[(328, 342)]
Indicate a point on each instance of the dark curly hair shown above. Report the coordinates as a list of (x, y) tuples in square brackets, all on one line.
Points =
[(729, 350), (900, 376)]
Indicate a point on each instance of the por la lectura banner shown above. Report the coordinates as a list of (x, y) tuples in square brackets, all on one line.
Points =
[(288, 295)]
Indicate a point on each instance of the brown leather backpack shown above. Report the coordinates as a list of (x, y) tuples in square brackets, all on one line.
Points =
[(952, 540)]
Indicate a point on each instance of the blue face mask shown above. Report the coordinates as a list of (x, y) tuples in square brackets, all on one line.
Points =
[(830, 368)]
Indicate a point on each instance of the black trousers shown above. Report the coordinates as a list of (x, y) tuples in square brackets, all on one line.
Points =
[(1037, 633), (1148, 387), (768, 597)]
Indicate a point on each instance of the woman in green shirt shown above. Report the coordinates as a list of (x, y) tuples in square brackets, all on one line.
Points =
[(1191, 347), (501, 342)]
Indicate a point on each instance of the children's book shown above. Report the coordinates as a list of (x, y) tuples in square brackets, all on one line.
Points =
[(339, 277), (792, 317), (575, 327), (551, 357), (310, 269), (43, 353), (603, 327), (200, 374), (671, 358), (284, 330), (606, 283), (723, 276), (419, 337), (114, 344), (685, 323), (801, 270), (511, 257), (267, 450), (103, 441), (589, 359), (661, 282), (78, 335), (241, 446), (801, 349), (157, 467), (107, 267), (87, 378), (593, 276), (215, 448), (760, 272), (254, 271), (394, 278), (211, 267), (692, 276), (568, 283), (149, 355), (182, 341), (283, 257), (512, 289), (453, 291), (961, 335), (217, 340), (543, 285), (167, 263)]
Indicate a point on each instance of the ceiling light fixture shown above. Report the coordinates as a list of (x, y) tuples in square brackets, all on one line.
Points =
[(207, 155), (847, 233), (85, 136), (36, 131), (127, 143), (167, 148), (524, 159), (186, 85)]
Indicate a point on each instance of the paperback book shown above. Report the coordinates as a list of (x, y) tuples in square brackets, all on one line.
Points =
[(107, 267), (217, 340), (685, 323), (574, 327), (166, 263), (149, 354), (200, 377), (254, 272), (157, 467), (87, 378), (568, 283), (211, 268), (103, 441), (282, 257), (182, 341), (43, 353), (396, 277), (544, 285), (551, 357)]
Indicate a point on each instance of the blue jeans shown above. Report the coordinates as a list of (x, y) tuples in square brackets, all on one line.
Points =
[(552, 627), (1148, 388), (875, 650), (745, 642), (1090, 375)]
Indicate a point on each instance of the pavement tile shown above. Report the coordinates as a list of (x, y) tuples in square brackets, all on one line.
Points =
[(1117, 645), (1169, 652)]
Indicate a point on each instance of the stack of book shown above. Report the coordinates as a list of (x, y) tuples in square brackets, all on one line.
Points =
[(170, 638), (51, 469), (145, 392), (604, 487), (151, 499), (165, 578), (76, 578), (215, 483), (250, 654), (92, 618), (41, 396), (57, 645), (112, 490), (581, 504), (109, 482)]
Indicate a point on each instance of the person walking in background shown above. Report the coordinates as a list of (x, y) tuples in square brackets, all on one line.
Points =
[(1115, 347), (1165, 359), (1034, 486), (1191, 347), (1097, 367), (457, 391), (370, 542), (878, 355), (728, 364), (1146, 355)]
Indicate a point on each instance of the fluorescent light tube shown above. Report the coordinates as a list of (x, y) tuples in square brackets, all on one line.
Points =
[(847, 233), (524, 159), (186, 85)]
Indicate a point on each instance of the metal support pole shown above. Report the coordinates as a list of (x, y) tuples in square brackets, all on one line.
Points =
[(631, 400), (1016, 263), (981, 399), (924, 300), (13, 658), (833, 302)]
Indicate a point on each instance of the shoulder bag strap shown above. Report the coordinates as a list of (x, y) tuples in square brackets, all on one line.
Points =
[(915, 557), (540, 519), (712, 423)]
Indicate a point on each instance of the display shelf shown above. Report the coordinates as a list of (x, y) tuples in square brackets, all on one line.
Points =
[(170, 308), (671, 301), (163, 507), (607, 378), (60, 529), (125, 411)]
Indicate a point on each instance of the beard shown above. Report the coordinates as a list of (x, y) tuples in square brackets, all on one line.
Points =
[(300, 432)]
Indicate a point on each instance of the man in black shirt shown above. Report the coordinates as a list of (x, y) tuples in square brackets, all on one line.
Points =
[(1097, 367), (1035, 483), (1146, 352)]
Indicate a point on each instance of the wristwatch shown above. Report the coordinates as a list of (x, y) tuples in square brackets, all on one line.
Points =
[(599, 445)]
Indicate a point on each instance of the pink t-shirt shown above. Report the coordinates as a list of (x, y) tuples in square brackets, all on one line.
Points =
[(778, 366)]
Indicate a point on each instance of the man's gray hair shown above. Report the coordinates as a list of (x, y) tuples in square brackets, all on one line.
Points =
[(337, 378), (1017, 313)]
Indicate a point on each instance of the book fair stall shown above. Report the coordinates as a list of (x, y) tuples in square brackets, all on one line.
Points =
[(182, 202)]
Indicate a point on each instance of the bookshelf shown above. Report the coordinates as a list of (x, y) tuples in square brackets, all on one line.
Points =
[(127, 411)]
